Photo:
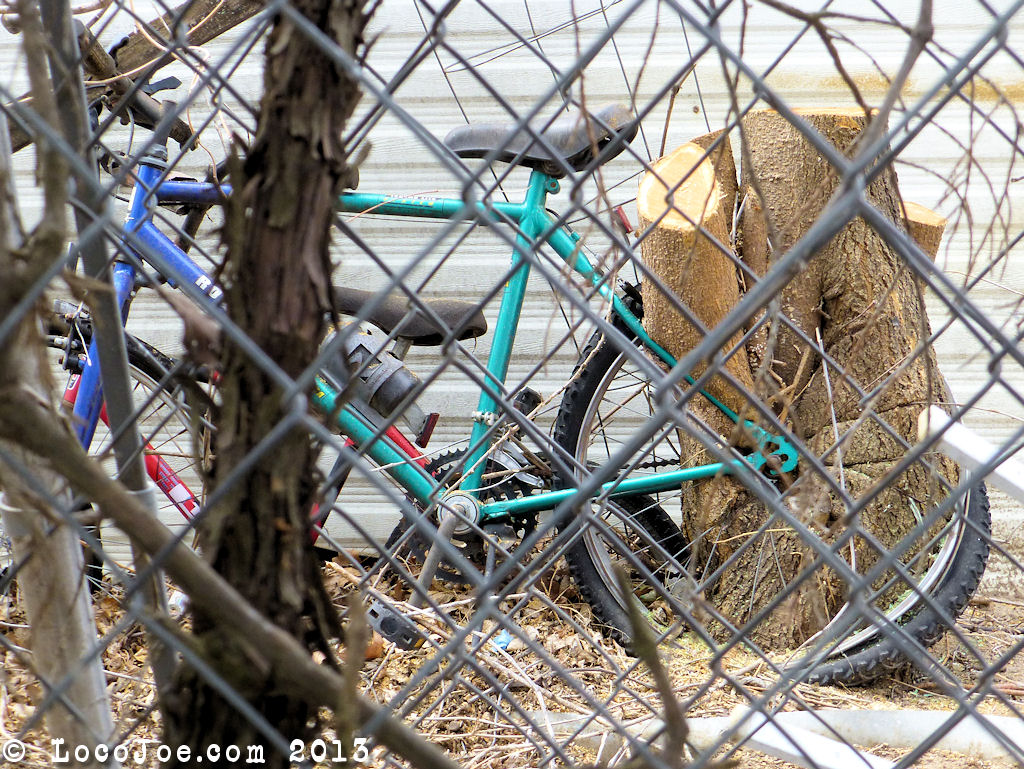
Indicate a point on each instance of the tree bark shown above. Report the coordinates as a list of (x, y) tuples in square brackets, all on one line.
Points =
[(47, 551), (277, 279), (864, 307)]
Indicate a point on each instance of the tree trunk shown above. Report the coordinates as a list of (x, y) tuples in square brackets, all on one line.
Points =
[(277, 276), (48, 552), (865, 308)]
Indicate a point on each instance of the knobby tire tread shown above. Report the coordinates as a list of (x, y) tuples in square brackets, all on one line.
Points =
[(656, 522), (884, 653)]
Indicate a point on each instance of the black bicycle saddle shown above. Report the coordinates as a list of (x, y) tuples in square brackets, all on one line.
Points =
[(395, 312), (572, 141)]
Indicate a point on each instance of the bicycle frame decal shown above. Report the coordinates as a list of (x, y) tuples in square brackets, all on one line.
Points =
[(147, 193)]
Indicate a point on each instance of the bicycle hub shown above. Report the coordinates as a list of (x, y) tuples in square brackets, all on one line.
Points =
[(461, 506)]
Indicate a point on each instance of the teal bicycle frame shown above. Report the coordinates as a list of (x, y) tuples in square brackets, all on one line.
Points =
[(534, 226)]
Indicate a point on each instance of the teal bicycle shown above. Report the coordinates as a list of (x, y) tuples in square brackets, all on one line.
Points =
[(613, 481), (615, 391)]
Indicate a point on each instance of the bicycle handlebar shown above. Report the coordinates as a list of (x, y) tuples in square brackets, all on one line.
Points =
[(98, 62)]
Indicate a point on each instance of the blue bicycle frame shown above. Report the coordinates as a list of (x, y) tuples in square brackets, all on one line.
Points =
[(534, 225), (146, 193)]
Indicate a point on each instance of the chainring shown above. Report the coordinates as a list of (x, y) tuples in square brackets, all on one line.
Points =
[(470, 543)]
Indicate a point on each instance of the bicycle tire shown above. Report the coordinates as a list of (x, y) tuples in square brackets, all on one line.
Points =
[(607, 383), (863, 663), (641, 521)]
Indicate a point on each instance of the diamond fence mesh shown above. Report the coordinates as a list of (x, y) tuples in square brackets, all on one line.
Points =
[(650, 393)]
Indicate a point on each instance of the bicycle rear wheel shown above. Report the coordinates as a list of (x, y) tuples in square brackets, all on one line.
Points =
[(609, 400)]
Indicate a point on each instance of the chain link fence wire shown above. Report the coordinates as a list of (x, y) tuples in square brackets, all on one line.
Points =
[(815, 224)]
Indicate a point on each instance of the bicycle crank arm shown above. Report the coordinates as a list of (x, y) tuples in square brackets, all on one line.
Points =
[(769, 445)]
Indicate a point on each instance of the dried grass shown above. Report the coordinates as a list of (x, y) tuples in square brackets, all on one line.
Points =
[(548, 670)]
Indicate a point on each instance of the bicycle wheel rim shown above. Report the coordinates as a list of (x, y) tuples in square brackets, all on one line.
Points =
[(633, 532), (942, 551), (173, 449), (936, 574)]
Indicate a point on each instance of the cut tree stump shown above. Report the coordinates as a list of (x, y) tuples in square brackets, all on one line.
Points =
[(856, 297), (925, 226), (688, 208)]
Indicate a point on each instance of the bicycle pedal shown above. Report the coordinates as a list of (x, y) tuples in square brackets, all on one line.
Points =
[(502, 533), (394, 626)]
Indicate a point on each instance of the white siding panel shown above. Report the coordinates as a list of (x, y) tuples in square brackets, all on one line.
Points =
[(650, 46)]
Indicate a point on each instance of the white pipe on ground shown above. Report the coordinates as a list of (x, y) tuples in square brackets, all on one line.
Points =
[(821, 739)]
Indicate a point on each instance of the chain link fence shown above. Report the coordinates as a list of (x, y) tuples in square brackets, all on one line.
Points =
[(670, 349)]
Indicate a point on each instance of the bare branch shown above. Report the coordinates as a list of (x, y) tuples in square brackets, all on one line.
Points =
[(24, 419)]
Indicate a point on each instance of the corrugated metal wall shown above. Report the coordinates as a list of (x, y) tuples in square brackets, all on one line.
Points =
[(649, 55)]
